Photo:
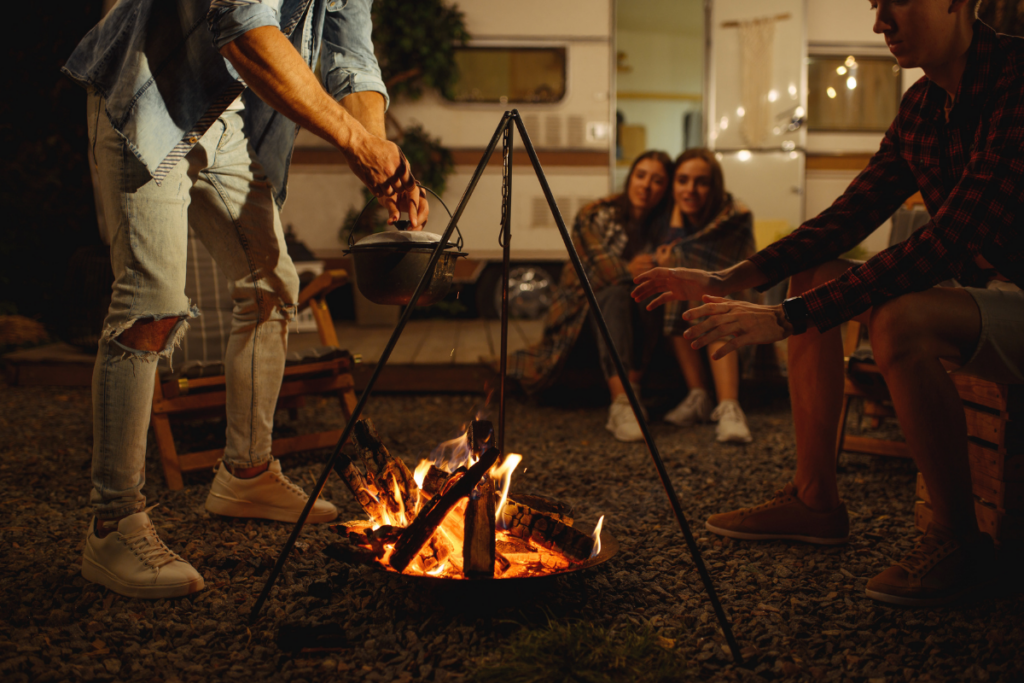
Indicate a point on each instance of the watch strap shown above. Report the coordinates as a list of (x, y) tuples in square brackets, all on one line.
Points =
[(795, 310)]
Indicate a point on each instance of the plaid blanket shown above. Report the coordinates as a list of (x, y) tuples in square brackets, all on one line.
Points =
[(599, 236)]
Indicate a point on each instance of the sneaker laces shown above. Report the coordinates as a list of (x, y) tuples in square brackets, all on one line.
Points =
[(149, 547), (728, 410), (783, 495), (694, 399), (283, 480), (929, 551)]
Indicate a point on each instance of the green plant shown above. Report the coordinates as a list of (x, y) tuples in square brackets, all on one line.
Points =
[(416, 44)]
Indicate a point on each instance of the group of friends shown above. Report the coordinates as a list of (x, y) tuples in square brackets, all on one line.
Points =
[(193, 110)]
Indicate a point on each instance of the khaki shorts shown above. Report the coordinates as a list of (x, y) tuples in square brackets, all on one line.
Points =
[(999, 356)]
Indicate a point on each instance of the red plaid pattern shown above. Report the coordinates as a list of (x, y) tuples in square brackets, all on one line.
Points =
[(970, 172)]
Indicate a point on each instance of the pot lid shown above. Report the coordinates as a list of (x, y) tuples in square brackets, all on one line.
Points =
[(400, 239)]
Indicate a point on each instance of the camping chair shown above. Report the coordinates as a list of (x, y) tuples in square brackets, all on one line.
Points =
[(196, 387)]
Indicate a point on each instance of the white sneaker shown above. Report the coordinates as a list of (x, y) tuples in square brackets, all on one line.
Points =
[(732, 423), (270, 495), (622, 423), (133, 561), (696, 407)]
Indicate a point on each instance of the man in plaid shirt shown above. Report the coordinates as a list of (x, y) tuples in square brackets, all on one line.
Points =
[(958, 138)]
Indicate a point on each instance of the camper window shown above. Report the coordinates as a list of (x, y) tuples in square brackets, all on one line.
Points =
[(851, 94), (510, 74)]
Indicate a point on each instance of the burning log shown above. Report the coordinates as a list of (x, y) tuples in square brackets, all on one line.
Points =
[(394, 481), (478, 542), (358, 485), (548, 530), (416, 535)]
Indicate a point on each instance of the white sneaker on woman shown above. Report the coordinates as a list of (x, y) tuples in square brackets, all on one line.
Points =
[(133, 561), (696, 407), (622, 423), (270, 495), (732, 423)]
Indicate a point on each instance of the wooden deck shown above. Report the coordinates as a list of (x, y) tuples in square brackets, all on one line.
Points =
[(431, 355)]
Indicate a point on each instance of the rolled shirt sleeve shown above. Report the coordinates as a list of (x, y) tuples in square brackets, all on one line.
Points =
[(347, 62), (228, 19)]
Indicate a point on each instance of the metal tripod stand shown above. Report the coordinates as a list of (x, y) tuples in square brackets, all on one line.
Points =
[(505, 130)]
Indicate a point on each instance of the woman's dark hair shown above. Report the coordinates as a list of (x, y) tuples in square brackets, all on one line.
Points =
[(621, 200), (716, 195)]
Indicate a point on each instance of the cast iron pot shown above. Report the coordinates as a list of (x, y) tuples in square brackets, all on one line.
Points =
[(390, 264)]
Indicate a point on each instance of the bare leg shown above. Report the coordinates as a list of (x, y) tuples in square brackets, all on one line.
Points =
[(816, 378), (615, 384), (726, 373), (911, 337), (690, 363)]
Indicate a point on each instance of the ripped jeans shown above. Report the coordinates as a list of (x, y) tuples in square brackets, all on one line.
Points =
[(220, 189)]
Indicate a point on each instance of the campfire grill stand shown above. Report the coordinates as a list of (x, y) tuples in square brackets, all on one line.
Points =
[(505, 132)]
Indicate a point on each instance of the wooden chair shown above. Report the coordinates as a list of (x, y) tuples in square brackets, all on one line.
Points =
[(203, 396)]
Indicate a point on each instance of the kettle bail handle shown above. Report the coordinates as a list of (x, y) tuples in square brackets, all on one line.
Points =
[(404, 224)]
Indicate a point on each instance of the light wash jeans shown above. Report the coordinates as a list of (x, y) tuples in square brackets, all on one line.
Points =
[(219, 189)]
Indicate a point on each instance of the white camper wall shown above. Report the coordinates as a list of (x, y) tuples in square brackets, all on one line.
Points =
[(834, 27)]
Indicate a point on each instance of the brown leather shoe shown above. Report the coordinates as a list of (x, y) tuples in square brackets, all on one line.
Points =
[(939, 570), (784, 517)]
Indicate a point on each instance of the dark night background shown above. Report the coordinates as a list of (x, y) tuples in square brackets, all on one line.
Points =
[(45, 190)]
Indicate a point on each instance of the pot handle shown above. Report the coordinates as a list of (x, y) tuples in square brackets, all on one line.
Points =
[(404, 224)]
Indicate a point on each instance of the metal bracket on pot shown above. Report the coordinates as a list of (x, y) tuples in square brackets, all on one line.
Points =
[(402, 225)]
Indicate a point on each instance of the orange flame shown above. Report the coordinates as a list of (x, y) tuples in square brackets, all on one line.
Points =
[(504, 473), (597, 538)]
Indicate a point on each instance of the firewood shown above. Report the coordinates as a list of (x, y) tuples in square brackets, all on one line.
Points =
[(350, 555), (389, 469), (546, 530), (478, 541), (434, 480), (357, 484), (430, 517)]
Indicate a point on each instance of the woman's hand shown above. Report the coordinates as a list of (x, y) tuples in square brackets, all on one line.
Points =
[(641, 263), (673, 284), (737, 323), (663, 253)]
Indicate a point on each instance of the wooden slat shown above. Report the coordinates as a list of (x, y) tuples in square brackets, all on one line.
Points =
[(461, 378), (1001, 526), (1004, 496), (472, 343), (979, 391), (202, 460), (863, 444), (1007, 467), (838, 162), (216, 399), (439, 345), (985, 426)]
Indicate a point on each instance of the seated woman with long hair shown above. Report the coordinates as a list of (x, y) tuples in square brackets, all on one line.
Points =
[(613, 237), (708, 229)]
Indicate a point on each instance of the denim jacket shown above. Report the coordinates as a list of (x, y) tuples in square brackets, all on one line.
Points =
[(157, 64)]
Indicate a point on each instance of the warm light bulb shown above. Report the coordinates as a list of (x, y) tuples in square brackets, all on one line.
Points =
[(851, 82), (831, 92), (841, 70), (743, 155)]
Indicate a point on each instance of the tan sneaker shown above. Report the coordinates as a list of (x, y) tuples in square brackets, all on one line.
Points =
[(696, 407), (133, 561), (784, 517), (622, 422), (732, 423), (270, 495), (939, 570)]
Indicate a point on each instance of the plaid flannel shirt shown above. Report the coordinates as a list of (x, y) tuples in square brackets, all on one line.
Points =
[(970, 172)]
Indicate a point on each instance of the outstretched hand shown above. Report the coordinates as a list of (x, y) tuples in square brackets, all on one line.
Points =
[(382, 167), (737, 323), (414, 202), (671, 284)]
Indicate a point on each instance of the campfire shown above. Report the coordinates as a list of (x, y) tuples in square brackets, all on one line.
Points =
[(452, 517)]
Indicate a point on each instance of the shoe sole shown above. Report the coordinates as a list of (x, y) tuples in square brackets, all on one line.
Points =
[(744, 536), (231, 507), (904, 601), (98, 574)]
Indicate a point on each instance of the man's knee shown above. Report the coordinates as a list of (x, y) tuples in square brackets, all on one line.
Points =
[(150, 335), (896, 331)]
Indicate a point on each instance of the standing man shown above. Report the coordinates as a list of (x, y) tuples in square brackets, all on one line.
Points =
[(959, 139), (194, 106)]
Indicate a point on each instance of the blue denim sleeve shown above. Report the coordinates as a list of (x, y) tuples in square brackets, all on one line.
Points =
[(347, 62), (229, 19)]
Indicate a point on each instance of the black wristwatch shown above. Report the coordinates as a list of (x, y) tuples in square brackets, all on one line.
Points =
[(795, 310)]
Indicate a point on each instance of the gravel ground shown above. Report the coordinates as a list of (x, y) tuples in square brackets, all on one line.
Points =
[(798, 611)]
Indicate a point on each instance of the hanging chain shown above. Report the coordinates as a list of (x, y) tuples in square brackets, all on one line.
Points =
[(506, 170)]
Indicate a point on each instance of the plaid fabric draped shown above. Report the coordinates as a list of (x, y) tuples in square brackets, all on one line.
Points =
[(725, 241), (599, 236)]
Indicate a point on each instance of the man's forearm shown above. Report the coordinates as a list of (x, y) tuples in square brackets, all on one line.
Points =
[(272, 67), (743, 275), (368, 108)]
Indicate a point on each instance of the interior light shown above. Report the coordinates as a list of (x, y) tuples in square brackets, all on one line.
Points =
[(851, 62), (798, 112), (724, 123), (851, 82), (792, 90), (743, 155), (788, 145), (773, 95), (794, 155), (740, 111), (831, 92), (841, 70)]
